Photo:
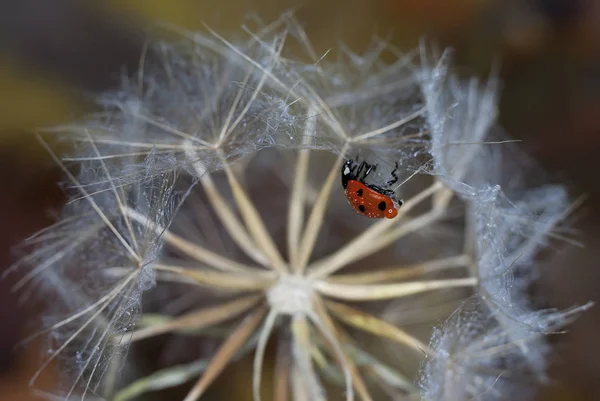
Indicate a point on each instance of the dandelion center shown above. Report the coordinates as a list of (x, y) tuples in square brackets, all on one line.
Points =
[(291, 294)]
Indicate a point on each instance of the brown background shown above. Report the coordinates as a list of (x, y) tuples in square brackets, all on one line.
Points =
[(50, 50)]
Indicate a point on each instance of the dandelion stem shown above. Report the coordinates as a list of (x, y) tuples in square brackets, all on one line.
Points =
[(225, 352)]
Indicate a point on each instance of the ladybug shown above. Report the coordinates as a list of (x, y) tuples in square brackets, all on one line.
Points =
[(367, 199)]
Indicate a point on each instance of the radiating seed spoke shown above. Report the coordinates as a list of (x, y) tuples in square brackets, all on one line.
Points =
[(375, 292), (372, 324), (197, 320), (225, 352), (222, 280), (402, 272)]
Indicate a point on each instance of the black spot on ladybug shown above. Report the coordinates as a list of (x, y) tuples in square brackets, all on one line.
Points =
[(381, 206), (359, 192), (362, 208)]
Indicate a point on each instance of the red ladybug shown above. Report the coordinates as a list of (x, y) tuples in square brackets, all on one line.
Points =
[(368, 199)]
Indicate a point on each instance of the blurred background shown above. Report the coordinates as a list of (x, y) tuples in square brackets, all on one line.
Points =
[(53, 53)]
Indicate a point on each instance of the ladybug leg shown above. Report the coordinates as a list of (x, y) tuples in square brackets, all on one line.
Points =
[(370, 167), (360, 168), (394, 175)]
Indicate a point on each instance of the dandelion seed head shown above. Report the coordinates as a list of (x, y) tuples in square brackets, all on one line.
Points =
[(210, 184)]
